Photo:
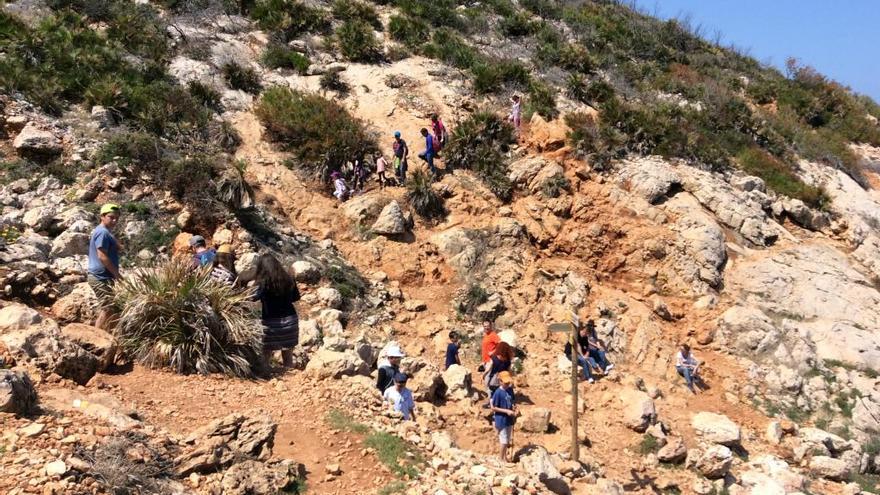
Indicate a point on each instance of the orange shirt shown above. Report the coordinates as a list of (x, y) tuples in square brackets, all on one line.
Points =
[(490, 342)]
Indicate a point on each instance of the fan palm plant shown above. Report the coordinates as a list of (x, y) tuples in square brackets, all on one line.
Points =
[(172, 315)]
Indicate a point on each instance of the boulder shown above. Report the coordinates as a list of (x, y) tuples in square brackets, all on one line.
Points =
[(829, 468), (45, 347), (713, 462), (360, 209), (70, 244), (309, 334), (716, 428), (674, 451), (390, 220), (39, 218), (18, 317), (426, 384), (78, 306), (536, 461), (458, 382), (522, 171), (98, 405), (648, 178), (260, 478), (32, 139), (330, 297), (226, 440), (772, 475), (536, 420), (638, 410), (98, 342), (246, 262), (415, 305), (17, 394), (306, 272), (326, 363)]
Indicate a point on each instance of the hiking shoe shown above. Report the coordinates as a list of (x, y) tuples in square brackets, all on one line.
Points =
[(609, 368), (591, 381)]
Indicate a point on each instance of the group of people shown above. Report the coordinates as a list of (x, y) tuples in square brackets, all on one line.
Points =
[(276, 288)]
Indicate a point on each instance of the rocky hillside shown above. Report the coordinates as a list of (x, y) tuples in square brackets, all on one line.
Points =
[(671, 189)]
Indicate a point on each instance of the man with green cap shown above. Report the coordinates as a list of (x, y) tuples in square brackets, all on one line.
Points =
[(104, 262)]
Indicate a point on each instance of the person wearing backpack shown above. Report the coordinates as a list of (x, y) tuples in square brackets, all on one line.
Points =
[(387, 372), (223, 269), (202, 255)]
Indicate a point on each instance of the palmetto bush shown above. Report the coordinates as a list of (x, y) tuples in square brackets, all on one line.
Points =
[(181, 318), (422, 197)]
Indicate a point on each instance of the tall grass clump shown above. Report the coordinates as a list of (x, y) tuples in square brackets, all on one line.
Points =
[(319, 132), (242, 78), (421, 196), (479, 143), (289, 18), (281, 56), (173, 316)]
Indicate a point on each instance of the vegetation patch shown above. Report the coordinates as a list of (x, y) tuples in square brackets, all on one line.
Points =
[(348, 10), (422, 198), (338, 420), (281, 56), (780, 178), (289, 18), (357, 43), (395, 453), (479, 143), (241, 77)]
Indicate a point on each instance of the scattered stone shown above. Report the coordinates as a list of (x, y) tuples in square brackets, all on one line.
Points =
[(390, 220), (415, 305), (333, 469), (326, 363), (17, 394), (716, 428), (94, 340), (330, 297), (227, 440), (639, 411), (18, 317), (32, 430), (306, 272), (830, 468), (713, 462), (32, 139), (536, 420), (674, 451), (536, 461), (56, 468), (260, 478)]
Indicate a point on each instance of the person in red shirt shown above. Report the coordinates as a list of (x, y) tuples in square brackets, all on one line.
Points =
[(490, 342)]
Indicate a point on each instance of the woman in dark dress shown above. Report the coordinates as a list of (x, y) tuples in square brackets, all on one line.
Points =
[(277, 291)]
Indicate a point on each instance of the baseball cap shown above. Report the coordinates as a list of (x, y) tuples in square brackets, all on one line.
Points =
[(505, 377), (224, 248), (394, 352), (396, 133), (400, 378), (109, 208), (196, 240)]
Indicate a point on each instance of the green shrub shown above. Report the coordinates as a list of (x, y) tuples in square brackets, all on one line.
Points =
[(576, 88), (152, 238), (357, 43), (411, 32), (280, 56), (542, 99), (332, 81), (394, 453), (289, 18), (598, 145), (349, 10), (518, 24), (648, 445), (241, 77), (14, 169), (233, 189), (347, 281), (318, 131), (779, 177), (449, 47), (137, 209), (547, 9), (338, 420), (163, 108), (206, 95), (421, 196), (132, 149), (438, 13), (173, 316), (479, 143), (493, 75), (554, 186), (473, 297)]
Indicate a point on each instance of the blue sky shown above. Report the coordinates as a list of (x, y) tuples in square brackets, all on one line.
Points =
[(840, 38)]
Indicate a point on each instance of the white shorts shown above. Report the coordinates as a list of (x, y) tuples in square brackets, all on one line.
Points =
[(504, 435)]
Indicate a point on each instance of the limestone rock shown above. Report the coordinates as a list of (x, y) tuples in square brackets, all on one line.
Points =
[(427, 383), (70, 244), (32, 139), (98, 342), (716, 428), (829, 467), (415, 305), (17, 394), (99, 405), (649, 179), (458, 382), (39, 218), (78, 306), (713, 462), (536, 420), (226, 440), (390, 220), (55, 468), (638, 412), (308, 333), (333, 364), (674, 451), (17, 317), (360, 209), (306, 272), (536, 461), (330, 297), (45, 347), (260, 478)]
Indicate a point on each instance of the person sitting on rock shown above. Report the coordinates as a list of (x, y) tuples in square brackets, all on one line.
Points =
[(582, 354), (386, 373), (596, 349), (504, 412), (687, 366), (401, 398), (201, 254), (452, 348)]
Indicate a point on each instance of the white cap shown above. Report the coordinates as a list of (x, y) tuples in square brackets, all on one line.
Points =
[(394, 351)]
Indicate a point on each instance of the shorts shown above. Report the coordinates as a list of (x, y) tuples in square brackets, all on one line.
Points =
[(504, 434), (103, 290)]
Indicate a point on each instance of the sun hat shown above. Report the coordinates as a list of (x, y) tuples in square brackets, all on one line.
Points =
[(109, 208), (397, 134), (394, 352), (505, 377), (196, 240), (400, 378), (224, 248)]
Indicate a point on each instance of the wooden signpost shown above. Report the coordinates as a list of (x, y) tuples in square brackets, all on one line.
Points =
[(572, 328)]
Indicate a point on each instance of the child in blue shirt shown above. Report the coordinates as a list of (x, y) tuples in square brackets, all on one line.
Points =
[(452, 350), (504, 412)]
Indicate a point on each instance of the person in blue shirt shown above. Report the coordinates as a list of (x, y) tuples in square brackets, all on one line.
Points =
[(400, 398), (452, 350), (202, 255), (104, 263), (504, 412), (428, 154)]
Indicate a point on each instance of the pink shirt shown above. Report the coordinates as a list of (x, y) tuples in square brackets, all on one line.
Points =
[(380, 164)]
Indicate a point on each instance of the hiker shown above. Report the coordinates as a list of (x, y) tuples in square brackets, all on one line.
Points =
[(582, 354), (359, 173), (277, 291), (687, 366), (401, 152), (515, 111), (387, 372), (340, 189), (452, 350), (401, 398), (501, 360), (104, 263), (487, 347), (597, 351), (440, 134), (223, 269), (381, 164), (428, 154), (504, 412), (201, 254)]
